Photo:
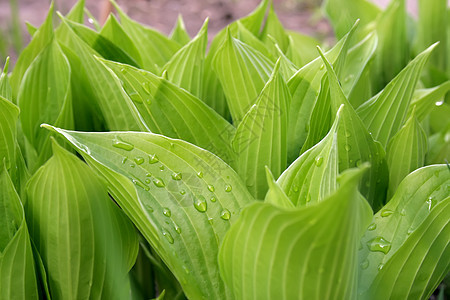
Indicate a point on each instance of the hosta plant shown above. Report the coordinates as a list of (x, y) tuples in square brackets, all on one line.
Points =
[(135, 165)]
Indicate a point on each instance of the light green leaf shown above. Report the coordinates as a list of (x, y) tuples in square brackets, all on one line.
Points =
[(254, 21), (305, 253), (302, 48), (183, 199), (384, 113), (9, 114), (179, 33), (405, 152), (405, 251), (275, 29), (5, 86), (356, 145), (31, 29), (109, 98), (17, 269), (155, 48), (260, 138), (275, 195), (312, 176), (287, 67), (185, 68), (114, 32), (439, 147), (243, 72), (86, 243), (424, 100), (170, 110)]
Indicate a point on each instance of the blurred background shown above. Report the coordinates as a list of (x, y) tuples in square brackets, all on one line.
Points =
[(300, 15)]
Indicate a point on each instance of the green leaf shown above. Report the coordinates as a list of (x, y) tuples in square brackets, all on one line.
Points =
[(384, 113), (305, 253), (405, 152), (254, 21), (273, 28), (344, 13), (439, 147), (86, 243), (17, 269), (424, 100), (287, 67), (356, 145), (170, 110), (45, 96), (9, 114), (243, 72), (179, 33), (260, 138), (109, 99), (312, 176), (275, 195), (183, 199), (5, 87), (404, 253), (185, 69), (114, 32), (41, 38), (155, 48), (301, 49)]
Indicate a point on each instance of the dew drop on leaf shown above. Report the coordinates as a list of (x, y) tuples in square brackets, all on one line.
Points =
[(140, 184), (348, 134), (121, 144), (347, 147), (372, 226), (124, 160), (176, 176), (161, 168), (176, 227), (308, 198), (182, 192), (211, 188), (135, 97), (153, 159), (295, 188), (200, 204), (379, 244), (365, 264), (168, 236), (228, 188), (167, 212), (200, 174), (132, 165), (210, 220), (147, 180), (213, 199), (159, 182), (225, 214), (380, 267), (139, 160), (386, 213), (318, 161), (431, 202), (146, 87)]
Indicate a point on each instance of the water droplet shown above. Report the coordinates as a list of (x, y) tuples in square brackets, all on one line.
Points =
[(349, 77), (211, 188), (213, 199), (176, 227), (140, 184), (403, 212), (348, 134), (347, 147), (372, 226), (380, 267), (159, 182), (153, 159), (410, 230), (200, 174), (146, 87), (139, 160), (322, 66), (182, 192), (176, 176), (200, 204), (186, 269), (308, 198), (124, 160), (318, 161), (210, 220), (358, 163), (135, 97), (168, 236), (365, 264), (148, 174), (167, 212), (439, 103), (147, 180), (149, 208), (379, 244), (431, 203), (172, 145), (225, 214), (91, 21), (85, 149), (295, 188), (121, 144), (132, 165), (161, 168), (228, 188), (386, 213)]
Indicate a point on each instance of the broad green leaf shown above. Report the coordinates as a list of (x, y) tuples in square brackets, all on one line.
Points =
[(304, 253), (185, 68), (155, 48), (179, 33), (76, 13), (260, 138), (5, 87), (424, 100), (109, 98), (393, 51), (405, 152), (312, 176), (182, 199), (9, 114), (243, 72), (275, 29), (115, 33), (31, 29), (356, 145), (45, 96), (439, 147), (344, 13), (384, 113), (86, 243), (17, 269), (170, 110), (304, 86), (301, 49), (101, 44), (41, 38), (362, 90), (254, 21), (239, 31), (405, 251), (275, 195)]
